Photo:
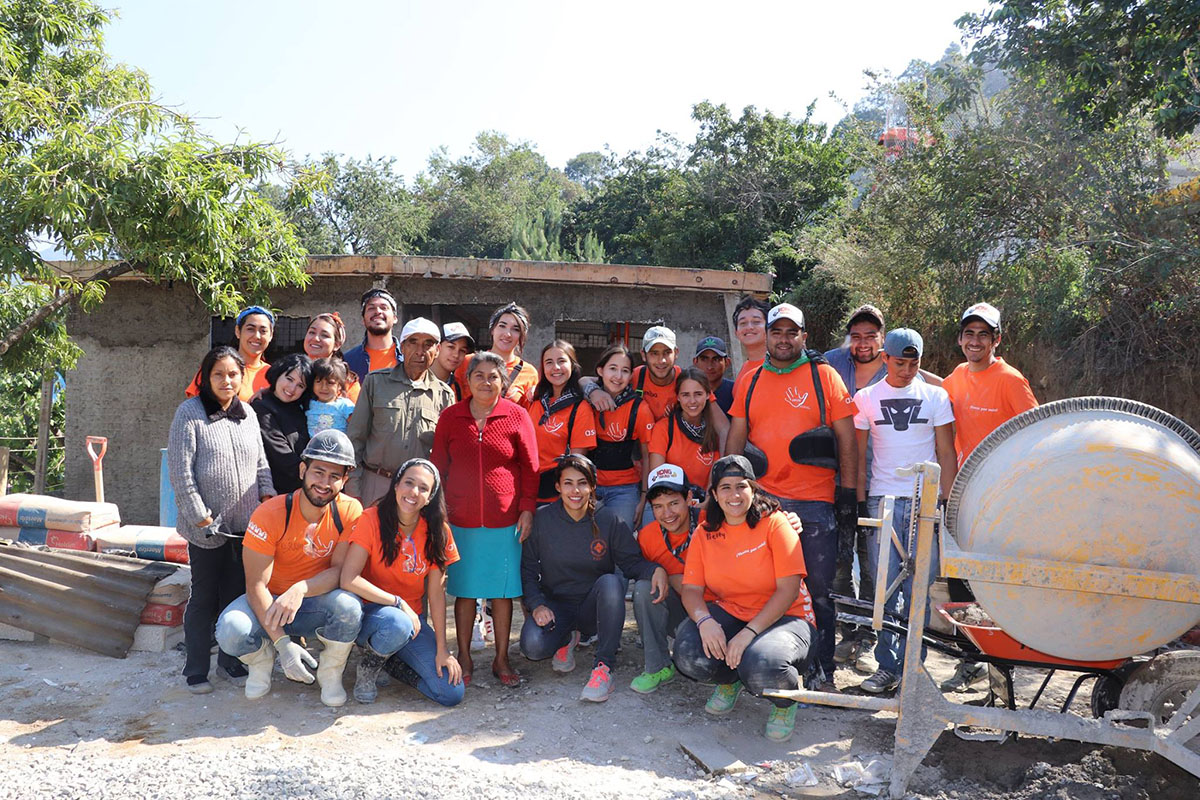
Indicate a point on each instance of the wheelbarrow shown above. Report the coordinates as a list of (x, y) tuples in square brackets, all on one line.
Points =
[(1076, 525)]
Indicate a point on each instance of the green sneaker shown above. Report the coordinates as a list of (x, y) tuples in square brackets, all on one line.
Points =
[(647, 682), (781, 724), (724, 697)]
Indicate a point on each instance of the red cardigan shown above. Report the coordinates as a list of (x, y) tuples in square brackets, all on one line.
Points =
[(489, 479)]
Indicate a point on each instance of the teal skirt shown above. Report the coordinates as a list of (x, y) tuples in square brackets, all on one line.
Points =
[(489, 563)]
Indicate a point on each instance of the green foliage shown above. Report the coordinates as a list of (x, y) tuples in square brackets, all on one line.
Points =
[(20, 398), (364, 209), (475, 202), (92, 165), (1102, 58), (536, 238)]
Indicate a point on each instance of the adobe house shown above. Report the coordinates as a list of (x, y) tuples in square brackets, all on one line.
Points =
[(143, 344)]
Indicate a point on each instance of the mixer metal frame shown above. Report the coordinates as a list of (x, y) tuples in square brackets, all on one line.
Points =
[(923, 711)]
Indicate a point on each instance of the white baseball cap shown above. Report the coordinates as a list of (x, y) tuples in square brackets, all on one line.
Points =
[(785, 311), (986, 312), (420, 325), (453, 331), (657, 334), (666, 476)]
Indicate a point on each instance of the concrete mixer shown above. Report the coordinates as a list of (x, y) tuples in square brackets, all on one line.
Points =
[(1077, 525)]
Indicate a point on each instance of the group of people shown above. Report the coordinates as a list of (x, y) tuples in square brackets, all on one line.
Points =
[(340, 497)]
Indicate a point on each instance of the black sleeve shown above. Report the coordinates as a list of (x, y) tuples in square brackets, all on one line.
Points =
[(531, 569), (626, 552), (282, 457)]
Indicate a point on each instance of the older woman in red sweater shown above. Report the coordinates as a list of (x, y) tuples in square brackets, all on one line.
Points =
[(486, 448)]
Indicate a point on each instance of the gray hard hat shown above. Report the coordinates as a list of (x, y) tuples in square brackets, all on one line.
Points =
[(330, 445)]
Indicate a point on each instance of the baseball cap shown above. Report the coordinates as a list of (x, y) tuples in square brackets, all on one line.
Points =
[(420, 325), (785, 311), (656, 334), (985, 312), (370, 294), (903, 343), (730, 465), (453, 331), (714, 343), (666, 477), (867, 312)]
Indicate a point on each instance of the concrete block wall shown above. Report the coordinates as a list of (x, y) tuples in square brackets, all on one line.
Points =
[(145, 342)]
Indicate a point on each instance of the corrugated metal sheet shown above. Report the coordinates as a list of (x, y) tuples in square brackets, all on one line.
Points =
[(90, 600)]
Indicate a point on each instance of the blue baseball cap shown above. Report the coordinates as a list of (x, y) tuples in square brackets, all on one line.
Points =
[(903, 343), (714, 343)]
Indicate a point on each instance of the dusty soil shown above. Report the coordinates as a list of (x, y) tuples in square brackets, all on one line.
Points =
[(76, 724)]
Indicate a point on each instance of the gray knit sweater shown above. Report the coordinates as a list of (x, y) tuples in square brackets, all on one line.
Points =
[(216, 467)]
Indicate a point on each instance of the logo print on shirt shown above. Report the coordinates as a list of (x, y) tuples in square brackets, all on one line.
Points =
[(794, 398), (414, 561), (599, 549), (900, 413), (314, 547), (704, 458), (553, 425), (615, 431)]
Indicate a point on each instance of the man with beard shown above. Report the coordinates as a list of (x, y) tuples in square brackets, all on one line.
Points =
[(379, 348), (396, 412), (796, 410), (293, 565)]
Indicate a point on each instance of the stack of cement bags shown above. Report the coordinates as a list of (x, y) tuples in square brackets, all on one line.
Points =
[(54, 522)]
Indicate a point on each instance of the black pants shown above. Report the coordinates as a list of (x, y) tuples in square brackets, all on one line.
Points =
[(601, 611), (217, 580)]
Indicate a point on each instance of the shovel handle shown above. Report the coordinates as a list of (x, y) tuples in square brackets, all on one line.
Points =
[(92, 441)]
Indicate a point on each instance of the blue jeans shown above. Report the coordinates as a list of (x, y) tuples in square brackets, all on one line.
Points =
[(889, 649), (819, 541), (382, 629), (336, 615), (621, 500), (601, 611), (775, 659)]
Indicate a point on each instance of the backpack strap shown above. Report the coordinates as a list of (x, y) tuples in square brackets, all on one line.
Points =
[(515, 371), (816, 376), (633, 410), (641, 383), (750, 390), (571, 425), (670, 429)]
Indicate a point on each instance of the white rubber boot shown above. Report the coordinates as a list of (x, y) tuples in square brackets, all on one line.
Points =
[(260, 663), (329, 671)]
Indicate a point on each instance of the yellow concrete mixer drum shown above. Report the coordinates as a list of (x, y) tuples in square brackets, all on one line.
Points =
[(1089, 480)]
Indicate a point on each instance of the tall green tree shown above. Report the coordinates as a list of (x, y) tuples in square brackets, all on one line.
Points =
[(1104, 58), (93, 166), (365, 209)]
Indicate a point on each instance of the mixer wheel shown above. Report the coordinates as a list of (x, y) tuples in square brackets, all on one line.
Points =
[(1161, 684), (1106, 691)]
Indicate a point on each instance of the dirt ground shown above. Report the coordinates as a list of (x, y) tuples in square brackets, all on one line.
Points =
[(67, 715)]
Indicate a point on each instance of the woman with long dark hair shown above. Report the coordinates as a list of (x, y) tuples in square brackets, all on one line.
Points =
[(563, 421), (509, 328), (324, 339), (398, 554), (280, 410), (759, 628), (569, 573), (685, 436), (219, 472), (622, 437), (253, 330)]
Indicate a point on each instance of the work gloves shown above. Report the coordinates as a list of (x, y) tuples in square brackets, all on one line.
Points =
[(293, 657)]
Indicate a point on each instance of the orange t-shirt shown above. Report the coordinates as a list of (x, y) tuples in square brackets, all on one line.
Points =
[(740, 565), (381, 359), (985, 400), (683, 452), (611, 427), (406, 575), (552, 437), (520, 391), (749, 366), (781, 407), (254, 379), (650, 539), (303, 550), (659, 398)]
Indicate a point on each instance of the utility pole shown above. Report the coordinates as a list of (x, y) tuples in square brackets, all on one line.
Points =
[(43, 440)]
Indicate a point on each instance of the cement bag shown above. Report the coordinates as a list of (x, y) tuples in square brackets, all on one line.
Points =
[(173, 589), (159, 614), (144, 541), (62, 540), (53, 513)]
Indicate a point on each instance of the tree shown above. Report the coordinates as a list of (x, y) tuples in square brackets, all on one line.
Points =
[(90, 163), (366, 209), (475, 202), (1105, 57), (588, 169)]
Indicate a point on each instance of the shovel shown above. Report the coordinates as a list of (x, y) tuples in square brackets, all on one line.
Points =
[(97, 462)]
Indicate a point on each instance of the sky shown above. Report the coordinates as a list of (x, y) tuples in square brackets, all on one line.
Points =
[(401, 79)]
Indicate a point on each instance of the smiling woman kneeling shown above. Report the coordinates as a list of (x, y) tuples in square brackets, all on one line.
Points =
[(759, 630), (398, 555), (568, 569)]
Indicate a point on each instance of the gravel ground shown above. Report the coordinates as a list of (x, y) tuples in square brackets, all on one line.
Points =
[(74, 724)]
